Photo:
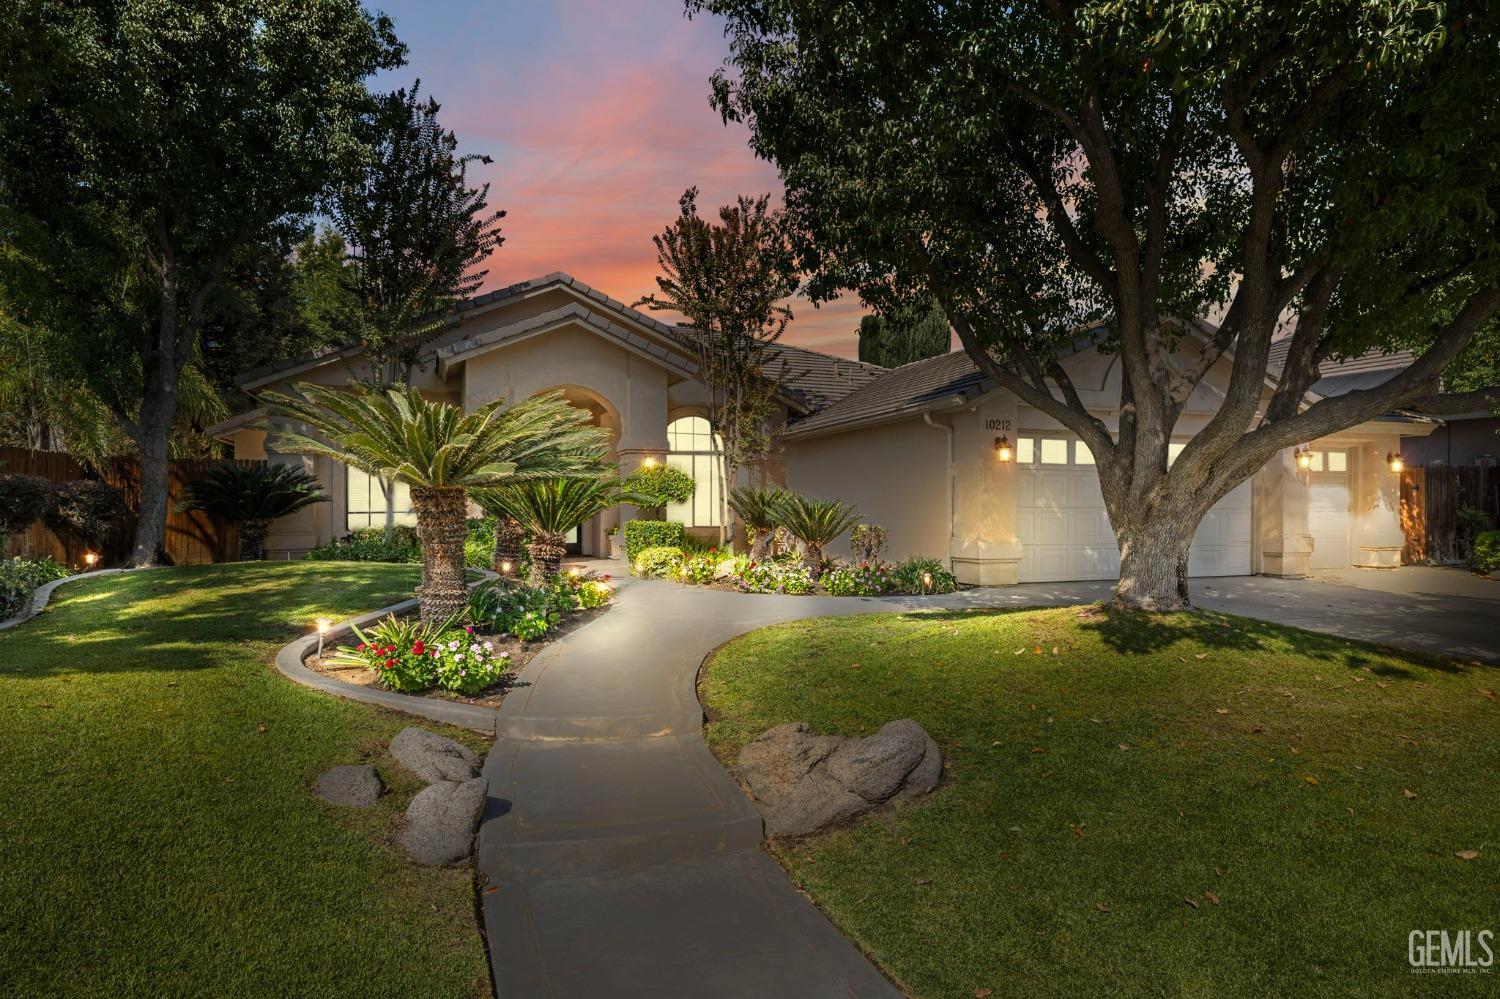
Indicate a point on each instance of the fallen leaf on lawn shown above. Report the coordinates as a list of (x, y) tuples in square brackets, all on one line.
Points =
[(1359, 679), (923, 881), (995, 743), (1181, 659), (1295, 749), (1381, 684), (1037, 650), (1221, 711), (1211, 897), (1125, 746), (1101, 906), (1311, 780), (1200, 655), (1018, 652), (1466, 854), (1077, 830), (947, 764), (492, 889), (1487, 693), (42, 704), (1054, 650), (1408, 793), (983, 993), (854, 666), (1191, 902), (260, 728), (1096, 721), (1037, 749)]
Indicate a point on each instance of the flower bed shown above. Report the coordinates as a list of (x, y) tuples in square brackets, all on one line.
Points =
[(474, 655), (787, 574), (19, 578)]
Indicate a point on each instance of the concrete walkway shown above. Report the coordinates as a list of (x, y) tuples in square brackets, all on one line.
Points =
[(618, 858)]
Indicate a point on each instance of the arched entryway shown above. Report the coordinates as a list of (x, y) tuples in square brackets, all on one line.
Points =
[(590, 538)]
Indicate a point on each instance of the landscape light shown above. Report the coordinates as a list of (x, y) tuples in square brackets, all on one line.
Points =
[(1304, 458), (926, 581), (90, 559), (323, 624), (505, 568), (650, 461), (1002, 448), (1394, 460), (574, 572)]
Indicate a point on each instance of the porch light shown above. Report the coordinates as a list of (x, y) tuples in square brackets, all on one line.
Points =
[(90, 559), (1304, 458), (1394, 460), (1002, 448)]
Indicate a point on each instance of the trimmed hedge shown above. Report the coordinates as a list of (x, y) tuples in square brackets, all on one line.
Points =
[(658, 562), (643, 534)]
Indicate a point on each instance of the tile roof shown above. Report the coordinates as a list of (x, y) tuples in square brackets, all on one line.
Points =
[(1372, 368), (911, 388)]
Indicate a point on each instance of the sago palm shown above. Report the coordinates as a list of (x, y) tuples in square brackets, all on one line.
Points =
[(760, 511), (440, 452), (549, 509), (816, 523), (252, 496)]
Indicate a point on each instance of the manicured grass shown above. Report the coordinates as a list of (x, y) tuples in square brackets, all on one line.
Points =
[(1127, 764), (157, 832)]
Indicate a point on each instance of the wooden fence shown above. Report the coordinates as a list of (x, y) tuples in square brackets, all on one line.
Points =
[(193, 538), (1431, 497)]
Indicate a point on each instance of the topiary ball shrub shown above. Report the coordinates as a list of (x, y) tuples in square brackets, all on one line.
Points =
[(91, 511), (643, 534), (1487, 552), (23, 501), (657, 485)]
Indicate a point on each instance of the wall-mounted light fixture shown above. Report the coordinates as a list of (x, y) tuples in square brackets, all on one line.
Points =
[(1394, 460), (1002, 449), (1304, 458)]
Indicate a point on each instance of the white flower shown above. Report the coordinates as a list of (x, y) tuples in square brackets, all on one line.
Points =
[(453, 646), (489, 646), (458, 657)]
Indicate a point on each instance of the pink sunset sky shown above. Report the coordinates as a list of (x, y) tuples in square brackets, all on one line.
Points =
[(596, 114)]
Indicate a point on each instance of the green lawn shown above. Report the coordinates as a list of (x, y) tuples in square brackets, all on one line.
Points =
[(157, 832), (1112, 778)]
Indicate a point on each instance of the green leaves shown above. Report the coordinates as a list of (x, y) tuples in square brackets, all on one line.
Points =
[(244, 493), (816, 522)]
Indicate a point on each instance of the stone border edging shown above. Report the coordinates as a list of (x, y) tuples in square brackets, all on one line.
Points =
[(42, 594), (289, 663)]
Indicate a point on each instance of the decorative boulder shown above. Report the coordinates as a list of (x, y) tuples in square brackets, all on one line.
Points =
[(354, 786), (432, 757), (440, 822), (803, 782)]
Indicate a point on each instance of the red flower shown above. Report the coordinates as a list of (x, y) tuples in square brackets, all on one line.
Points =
[(418, 648), (390, 663), (362, 647)]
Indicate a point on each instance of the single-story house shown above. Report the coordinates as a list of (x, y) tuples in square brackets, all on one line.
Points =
[(913, 447)]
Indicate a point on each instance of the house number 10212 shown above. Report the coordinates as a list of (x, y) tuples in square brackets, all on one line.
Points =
[(997, 424)]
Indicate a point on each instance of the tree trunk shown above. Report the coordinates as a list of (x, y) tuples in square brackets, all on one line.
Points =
[(388, 493), (509, 534), (812, 558), (760, 544), (547, 552), (440, 528), (157, 410), (253, 540), (1154, 562)]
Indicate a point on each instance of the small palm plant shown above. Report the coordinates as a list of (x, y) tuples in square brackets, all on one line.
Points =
[(549, 509), (760, 511), (441, 453), (816, 523), (252, 496)]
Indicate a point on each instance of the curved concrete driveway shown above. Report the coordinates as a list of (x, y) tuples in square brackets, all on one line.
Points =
[(617, 858)]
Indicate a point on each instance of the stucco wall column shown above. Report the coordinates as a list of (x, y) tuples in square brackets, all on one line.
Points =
[(1375, 494), (1281, 499), (984, 546)]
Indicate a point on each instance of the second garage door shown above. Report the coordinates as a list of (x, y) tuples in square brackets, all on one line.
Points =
[(1065, 532)]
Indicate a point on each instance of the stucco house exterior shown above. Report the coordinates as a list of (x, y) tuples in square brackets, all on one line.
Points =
[(915, 447)]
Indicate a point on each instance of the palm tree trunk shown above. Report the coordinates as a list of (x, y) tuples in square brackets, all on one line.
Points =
[(253, 540), (508, 537), (440, 514), (812, 558), (547, 551)]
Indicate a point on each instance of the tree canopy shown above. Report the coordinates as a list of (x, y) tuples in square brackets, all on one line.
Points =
[(1321, 170), (910, 333)]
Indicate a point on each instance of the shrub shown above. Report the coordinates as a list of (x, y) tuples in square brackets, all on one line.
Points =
[(867, 579), (867, 541), (19, 577), (817, 523), (91, 511), (1487, 551), (655, 486), (411, 655), (776, 576), (369, 544), (760, 511), (479, 542), (913, 575), (658, 561), (643, 534), (593, 593), (252, 496), (23, 500), (527, 612)]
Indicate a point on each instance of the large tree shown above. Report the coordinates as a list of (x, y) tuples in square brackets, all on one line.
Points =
[(144, 142), (730, 280), (907, 334), (1324, 169)]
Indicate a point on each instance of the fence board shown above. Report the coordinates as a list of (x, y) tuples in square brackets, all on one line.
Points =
[(193, 537), (1431, 498)]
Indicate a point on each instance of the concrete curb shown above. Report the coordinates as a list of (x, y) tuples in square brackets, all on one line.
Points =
[(289, 663), (42, 594)]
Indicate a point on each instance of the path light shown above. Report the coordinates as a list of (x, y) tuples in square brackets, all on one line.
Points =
[(1394, 460), (1002, 448), (575, 572), (650, 461), (505, 568), (926, 581), (1304, 458), (90, 559), (323, 624)]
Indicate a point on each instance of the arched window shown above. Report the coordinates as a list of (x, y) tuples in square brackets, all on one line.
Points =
[(695, 450)]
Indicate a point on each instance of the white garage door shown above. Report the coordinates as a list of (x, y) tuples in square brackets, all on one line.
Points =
[(1065, 532), (1328, 508)]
